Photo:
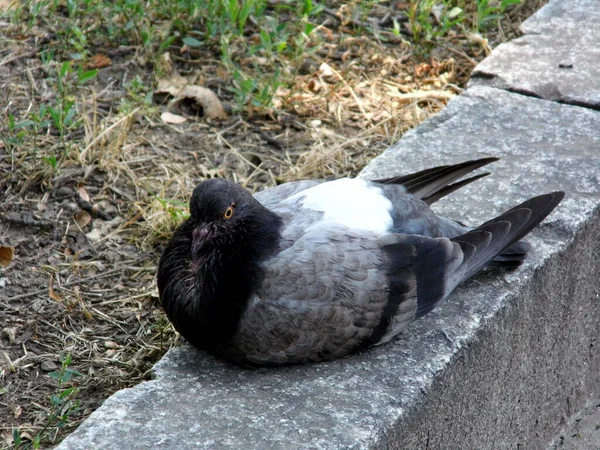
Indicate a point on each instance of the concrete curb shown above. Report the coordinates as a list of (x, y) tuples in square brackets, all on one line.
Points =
[(558, 57)]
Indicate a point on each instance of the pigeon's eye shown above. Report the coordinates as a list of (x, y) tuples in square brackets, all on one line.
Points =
[(229, 211)]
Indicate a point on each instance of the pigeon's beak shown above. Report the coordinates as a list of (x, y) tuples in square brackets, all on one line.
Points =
[(200, 236)]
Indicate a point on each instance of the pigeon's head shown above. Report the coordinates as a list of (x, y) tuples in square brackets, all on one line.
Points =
[(224, 214), (212, 262)]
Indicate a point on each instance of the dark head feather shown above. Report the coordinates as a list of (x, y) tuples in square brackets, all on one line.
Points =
[(211, 266)]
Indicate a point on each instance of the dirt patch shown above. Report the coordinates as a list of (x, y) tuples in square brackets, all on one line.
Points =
[(86, 207)]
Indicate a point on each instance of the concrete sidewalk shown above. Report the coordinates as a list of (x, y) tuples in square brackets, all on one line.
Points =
[(583, 430), (507, 362)]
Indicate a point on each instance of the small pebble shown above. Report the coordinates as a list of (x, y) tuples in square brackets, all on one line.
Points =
[(11, 334)]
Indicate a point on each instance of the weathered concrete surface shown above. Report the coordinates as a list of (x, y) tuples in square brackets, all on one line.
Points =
[(502, 364), (537, 361), (583, 431), (557, 59)]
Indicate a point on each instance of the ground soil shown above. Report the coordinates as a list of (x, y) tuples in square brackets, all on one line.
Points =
[(86, 287)]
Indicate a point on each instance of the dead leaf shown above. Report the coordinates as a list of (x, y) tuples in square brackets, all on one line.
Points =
[(325, 70), (83, 193), (6, 255), (173, 85), (17, 411), (422, 70), (82, 218), (98, 61), (179, 87), (314, 86), (168, 117), (211, 105), (52, 293), (25, 436)]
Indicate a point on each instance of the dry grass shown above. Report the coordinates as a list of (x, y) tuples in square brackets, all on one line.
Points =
[(87, 287)]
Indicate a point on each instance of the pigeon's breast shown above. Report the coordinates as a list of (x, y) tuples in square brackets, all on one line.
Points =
[(354, 203)]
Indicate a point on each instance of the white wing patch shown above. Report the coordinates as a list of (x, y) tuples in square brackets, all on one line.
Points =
[(351, 202)]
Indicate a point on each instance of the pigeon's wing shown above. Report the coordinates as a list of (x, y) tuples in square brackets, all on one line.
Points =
[(432, 184), (272, 196), (320, 298), (441, 264), (334, 292), (438, 265)]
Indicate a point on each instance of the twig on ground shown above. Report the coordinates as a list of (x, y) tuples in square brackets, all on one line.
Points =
[(69, 283), (10, 59)]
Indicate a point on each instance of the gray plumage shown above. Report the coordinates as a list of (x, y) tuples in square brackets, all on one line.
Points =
[(315, 270)]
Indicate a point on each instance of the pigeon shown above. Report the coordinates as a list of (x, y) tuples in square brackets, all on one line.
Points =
[(315, 270)]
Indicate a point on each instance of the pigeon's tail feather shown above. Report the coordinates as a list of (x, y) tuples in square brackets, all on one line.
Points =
[(432, 184), (512, 257), (422, 271), (450, 188), (497, 241)]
